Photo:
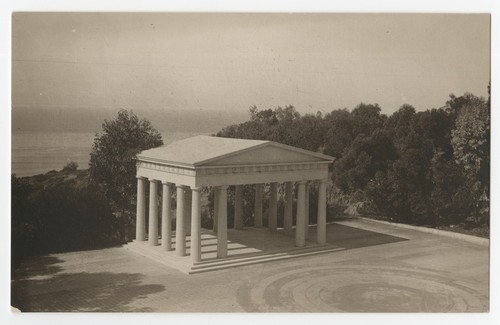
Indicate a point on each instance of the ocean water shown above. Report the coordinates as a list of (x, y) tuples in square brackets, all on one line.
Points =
[(37, 152)]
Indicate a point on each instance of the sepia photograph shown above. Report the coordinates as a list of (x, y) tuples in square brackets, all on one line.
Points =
[(250, 162)]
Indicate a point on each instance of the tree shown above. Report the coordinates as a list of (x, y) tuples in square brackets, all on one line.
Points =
[(399, 123), (450, 202), (70, 167), (338, 136), (470, 139), (112, 160), (307, 132), (471, 145), (366, 156), (366, 118)]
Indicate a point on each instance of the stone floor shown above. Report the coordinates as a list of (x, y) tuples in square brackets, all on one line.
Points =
[(249, 245), (240, 243), (383, 269)]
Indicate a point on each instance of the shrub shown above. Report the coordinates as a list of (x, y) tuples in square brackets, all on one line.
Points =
[(70, 167), (59, 219)]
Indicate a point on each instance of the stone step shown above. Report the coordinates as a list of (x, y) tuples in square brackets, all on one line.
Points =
[(185, 265), (237, 263), (259, 256)]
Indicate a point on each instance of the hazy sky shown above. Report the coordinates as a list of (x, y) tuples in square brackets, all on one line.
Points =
[(231, 61)]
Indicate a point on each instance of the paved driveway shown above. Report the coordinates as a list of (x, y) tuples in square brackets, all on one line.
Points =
[(383, 269)]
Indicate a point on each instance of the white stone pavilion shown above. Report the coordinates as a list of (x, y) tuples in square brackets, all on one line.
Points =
[(206, 161)]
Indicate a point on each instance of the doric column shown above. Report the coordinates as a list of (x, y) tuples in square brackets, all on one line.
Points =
[(287, 221), (307, 210), (273, 207), (195, 250), (180, 234), (216, 207), (166, 217), (187, 210), (153, 212), (321, 227), (238, 207), (140, 223), (222, 223), (300, 229), (259, 188)]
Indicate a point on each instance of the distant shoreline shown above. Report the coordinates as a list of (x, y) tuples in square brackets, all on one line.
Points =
[(38, 152), (26, 119)]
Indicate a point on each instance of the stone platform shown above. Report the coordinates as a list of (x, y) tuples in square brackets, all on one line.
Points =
[(246, 246)]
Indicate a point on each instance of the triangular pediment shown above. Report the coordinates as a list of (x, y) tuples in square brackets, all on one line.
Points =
[(216, 151), (269, 153)]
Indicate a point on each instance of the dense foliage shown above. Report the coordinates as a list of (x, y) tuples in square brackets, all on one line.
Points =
[(112, 160), (429, 167), (58, 217)]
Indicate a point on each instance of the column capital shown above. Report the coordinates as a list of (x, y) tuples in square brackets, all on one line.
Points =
[(140, 177), (196, 188), (324, 180), (303, 182), (152, 180), (165, 183), (223, 187), (180, 185)]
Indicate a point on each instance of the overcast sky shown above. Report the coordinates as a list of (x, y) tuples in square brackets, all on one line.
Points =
[(231, 61)]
